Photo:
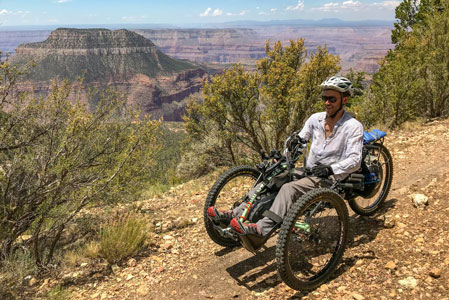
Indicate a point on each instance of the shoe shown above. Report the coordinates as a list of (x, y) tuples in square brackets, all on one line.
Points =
[(218, 217), (244, 228)]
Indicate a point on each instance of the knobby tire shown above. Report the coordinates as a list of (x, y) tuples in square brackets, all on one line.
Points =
[(214, 193), (387, 170), (287, 239)]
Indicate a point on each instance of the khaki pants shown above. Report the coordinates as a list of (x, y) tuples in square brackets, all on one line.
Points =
[(287, 195)]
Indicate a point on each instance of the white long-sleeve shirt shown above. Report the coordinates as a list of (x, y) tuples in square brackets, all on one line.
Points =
[(342, 150)]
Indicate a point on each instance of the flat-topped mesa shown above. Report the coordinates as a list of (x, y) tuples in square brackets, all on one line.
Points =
[(67, 41), (121, 59), (99, 55)]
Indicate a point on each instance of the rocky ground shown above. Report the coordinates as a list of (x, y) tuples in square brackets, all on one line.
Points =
[(401, 253)]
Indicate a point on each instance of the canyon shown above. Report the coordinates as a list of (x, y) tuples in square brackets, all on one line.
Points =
[(159, 68), (359, 46), (120, 59)]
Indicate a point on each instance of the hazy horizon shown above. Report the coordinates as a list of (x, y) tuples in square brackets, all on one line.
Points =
[(239, 23)]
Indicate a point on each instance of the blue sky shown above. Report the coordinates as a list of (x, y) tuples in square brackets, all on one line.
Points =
[(53, 12)]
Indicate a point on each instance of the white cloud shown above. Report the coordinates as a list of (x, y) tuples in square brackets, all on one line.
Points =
[(331, 6), (62, 1), (299, 6), (273, 10), (206, 12), (242, 13), (351, 4), (217, 12), (20, 13), (356, 6), (262, 13), (387, 4)]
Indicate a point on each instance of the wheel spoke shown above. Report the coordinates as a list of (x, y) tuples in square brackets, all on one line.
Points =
[(312, 239)]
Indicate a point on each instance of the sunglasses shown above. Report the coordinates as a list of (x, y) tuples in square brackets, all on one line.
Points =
[(331, 99)]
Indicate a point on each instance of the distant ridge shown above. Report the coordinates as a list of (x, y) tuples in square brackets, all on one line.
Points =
[(240, 23)]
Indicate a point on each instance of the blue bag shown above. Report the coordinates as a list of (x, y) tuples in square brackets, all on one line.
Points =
[(372, 136)]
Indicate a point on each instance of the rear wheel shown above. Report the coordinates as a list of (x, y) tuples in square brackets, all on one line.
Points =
[(312, 239), (378, 158), (229, 189)]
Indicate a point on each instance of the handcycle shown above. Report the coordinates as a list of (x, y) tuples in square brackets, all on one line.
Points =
[(312, 236)]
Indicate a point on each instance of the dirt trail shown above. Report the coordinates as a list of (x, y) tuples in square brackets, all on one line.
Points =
[(401, 243)]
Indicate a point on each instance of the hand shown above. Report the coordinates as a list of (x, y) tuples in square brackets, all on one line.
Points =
[(322, 171)]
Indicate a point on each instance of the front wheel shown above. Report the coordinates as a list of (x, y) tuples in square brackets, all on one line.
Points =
[(229, 189), (378, 159), (312, 239)]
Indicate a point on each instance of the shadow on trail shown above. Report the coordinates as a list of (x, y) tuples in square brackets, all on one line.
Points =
[(258, 273), (254, 273), (226, 250)]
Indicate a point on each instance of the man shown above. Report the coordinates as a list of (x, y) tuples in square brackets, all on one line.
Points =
[(336, 152)]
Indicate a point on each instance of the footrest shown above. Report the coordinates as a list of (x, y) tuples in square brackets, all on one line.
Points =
[(253, 242)]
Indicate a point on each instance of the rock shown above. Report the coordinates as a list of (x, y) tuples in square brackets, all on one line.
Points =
[(167, 237), (167, 246), (159, 270), (402, 191), (435, 273), (129, 277), (194, 220), (341, 288), (389, 221), (26, 280), (420, 200), (408, 282), (32, 281), (390, 265), (132, 262), (143, 290), (419, 240), (115, 268), (357, 296), (103, 296), (84, 264)]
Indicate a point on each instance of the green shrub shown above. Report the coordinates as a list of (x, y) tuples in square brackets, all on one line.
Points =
[(123, 237), (58, 157)]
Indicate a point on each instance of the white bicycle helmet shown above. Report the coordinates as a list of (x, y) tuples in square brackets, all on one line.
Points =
[(338, 83)]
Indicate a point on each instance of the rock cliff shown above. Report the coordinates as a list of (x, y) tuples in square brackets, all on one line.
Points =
[(358, 47), (121, 59)]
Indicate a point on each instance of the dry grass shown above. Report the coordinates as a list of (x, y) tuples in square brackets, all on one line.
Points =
[(412, 125), (122, 238)]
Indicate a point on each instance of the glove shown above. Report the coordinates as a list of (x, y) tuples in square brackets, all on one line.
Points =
[(322, 171), (293, 141)]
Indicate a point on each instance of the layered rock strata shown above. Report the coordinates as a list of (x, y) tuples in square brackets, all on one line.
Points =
[(121, 59)]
